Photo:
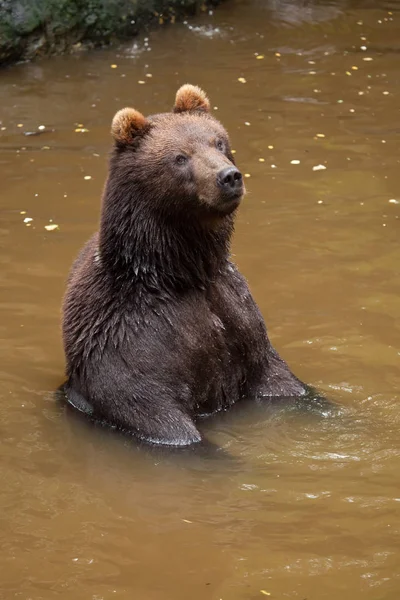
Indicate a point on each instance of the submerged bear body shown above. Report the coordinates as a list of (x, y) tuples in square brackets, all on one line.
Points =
[(159, 326)]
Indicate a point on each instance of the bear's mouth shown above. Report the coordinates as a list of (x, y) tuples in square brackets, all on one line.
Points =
[(231, 203)]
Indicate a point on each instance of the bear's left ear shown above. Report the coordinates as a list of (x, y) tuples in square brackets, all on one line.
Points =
[(191, 98), (127, 125)]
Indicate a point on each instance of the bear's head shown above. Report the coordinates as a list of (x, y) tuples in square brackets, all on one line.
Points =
[(178, 163)]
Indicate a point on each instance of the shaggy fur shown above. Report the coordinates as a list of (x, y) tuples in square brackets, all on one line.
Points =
[(159, 326)]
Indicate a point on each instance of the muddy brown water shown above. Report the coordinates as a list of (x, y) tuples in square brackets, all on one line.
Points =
[(302, 506)]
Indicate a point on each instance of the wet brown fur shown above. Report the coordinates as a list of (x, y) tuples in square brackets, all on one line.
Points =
[(159, 326)]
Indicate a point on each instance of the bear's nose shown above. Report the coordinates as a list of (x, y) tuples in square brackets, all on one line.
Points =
[(230, 179)]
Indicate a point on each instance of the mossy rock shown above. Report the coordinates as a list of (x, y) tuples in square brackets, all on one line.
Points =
[(29, 28)]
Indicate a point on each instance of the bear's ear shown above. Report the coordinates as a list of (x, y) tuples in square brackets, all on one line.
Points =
[(191, 98), (127, 125)]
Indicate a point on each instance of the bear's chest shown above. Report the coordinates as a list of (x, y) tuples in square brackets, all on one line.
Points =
[(233, 311), (230, 349)]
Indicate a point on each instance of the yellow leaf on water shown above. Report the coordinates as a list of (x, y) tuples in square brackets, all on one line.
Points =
[(51, 227), (260, 57), (241, 79), (113, 66), (265, 593)]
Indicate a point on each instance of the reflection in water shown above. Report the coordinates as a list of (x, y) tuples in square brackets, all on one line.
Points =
[(299, 505)]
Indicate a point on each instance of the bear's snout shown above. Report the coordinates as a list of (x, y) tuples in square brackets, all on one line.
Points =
[(230, 181)]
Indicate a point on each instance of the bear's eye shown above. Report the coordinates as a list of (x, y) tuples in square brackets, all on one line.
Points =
[(220, 145), (181, 159)]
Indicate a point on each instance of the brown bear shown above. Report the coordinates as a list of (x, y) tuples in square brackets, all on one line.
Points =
[(159, 326)]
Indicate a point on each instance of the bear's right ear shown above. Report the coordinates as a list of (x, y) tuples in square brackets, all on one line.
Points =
[(127, 125)]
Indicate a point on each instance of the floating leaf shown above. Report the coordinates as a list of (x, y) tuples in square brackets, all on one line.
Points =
[(51, 227), (242, 80)]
